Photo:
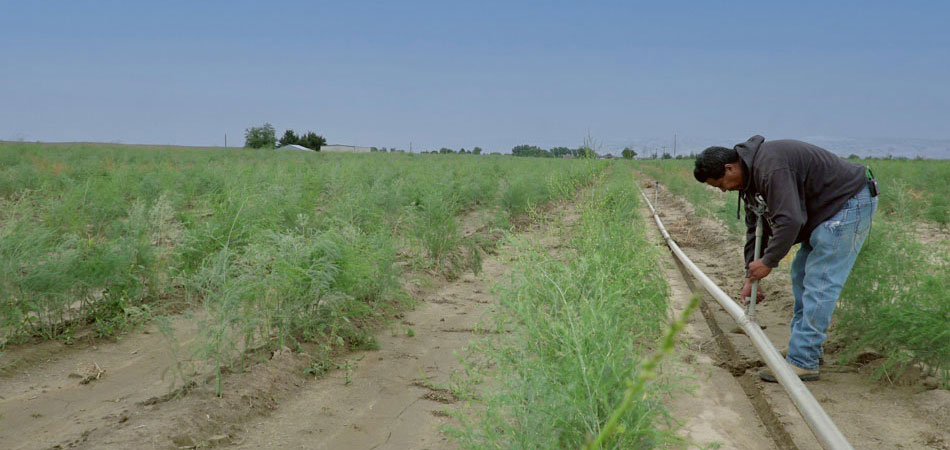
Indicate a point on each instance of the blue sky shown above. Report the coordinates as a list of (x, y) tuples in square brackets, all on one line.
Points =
[(465, 74)]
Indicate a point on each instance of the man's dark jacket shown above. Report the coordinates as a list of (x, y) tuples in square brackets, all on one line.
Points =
[(802, 184)]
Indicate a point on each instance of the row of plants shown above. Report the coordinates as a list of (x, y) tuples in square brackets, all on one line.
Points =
[(895, 299), (277, 249), (677, 176), (570, 361), (915, 188)]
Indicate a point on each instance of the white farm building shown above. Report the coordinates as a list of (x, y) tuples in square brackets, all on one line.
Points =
[(295, 147)]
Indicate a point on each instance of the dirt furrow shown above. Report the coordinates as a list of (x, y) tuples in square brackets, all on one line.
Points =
[(393, 397), (716, 410), (57, 395)]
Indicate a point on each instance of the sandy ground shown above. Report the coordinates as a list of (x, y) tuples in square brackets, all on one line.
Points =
[(58, 395), (907, 413)]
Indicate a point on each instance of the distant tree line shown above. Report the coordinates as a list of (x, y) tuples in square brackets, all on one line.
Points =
[(385, 150), (461, 151), (629, 153), (584, 151), (556, 152), (309, 139), (666, 155), (265, 136)]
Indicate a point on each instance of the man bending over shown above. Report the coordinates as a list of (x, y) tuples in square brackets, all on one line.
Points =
[(809, 196)]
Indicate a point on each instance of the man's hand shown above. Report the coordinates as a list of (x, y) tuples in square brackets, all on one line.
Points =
[(758, 270), (747, 292)]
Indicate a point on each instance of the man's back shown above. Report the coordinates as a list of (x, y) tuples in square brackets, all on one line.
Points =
[(821, 181)]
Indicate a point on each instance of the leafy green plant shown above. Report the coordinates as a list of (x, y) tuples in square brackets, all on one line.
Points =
[(637, 382)]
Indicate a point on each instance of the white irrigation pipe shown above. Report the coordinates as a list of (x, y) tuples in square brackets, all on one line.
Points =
[(817, 419)]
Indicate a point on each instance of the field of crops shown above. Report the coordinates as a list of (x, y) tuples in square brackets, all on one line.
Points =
[(306, 270), (278, 248)]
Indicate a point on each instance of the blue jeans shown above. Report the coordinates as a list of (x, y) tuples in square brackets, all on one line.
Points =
[(820, 270)]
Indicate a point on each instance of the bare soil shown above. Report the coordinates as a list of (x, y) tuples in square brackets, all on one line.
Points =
[(898, 413)]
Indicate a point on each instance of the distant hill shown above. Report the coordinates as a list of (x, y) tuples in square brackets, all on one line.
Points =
[(882, 147)]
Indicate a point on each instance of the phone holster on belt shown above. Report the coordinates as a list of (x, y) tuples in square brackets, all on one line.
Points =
[(872, 183)]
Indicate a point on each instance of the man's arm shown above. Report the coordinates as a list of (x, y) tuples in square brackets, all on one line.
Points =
[(783, 196)]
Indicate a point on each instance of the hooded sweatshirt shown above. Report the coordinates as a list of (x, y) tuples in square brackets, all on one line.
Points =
[(801, 186)]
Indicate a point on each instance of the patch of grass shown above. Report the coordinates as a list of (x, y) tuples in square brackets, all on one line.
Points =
[(575, 333)]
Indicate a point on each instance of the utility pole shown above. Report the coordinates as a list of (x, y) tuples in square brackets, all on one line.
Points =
[(674, 145), (225, 140), (410, 146)]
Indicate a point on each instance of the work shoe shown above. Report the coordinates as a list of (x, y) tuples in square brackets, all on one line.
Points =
[(766, 374), (821, 359)]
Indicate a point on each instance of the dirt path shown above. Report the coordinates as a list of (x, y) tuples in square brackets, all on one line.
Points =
[(876, 415), (393, 397), (54, 394)]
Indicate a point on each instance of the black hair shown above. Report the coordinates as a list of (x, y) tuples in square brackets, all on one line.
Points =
[(711, 163)]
